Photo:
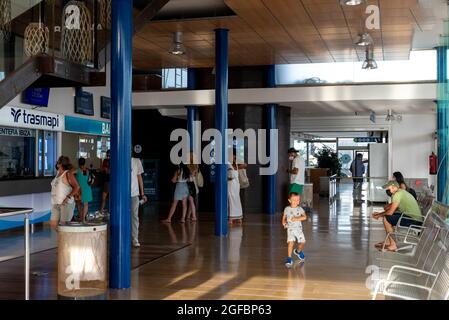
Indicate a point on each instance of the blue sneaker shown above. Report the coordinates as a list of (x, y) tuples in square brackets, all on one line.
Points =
[(296, 253), (289, 262), (300, 255)]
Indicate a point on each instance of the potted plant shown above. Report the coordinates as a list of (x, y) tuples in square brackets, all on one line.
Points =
[(327, 159)]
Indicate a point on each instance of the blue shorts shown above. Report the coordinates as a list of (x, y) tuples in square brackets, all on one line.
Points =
[(394, 218)]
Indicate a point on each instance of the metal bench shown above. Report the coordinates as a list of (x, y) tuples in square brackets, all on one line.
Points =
[(409, 283), (423, 275)]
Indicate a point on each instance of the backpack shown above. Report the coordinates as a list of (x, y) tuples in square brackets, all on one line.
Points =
[(412, 192)]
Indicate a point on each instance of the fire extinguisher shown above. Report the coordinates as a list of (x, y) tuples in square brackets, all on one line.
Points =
[(433, 163)]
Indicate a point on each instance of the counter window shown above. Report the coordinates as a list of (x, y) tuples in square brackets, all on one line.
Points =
[(17, 153)]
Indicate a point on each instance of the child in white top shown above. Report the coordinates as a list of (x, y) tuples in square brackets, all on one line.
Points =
[(291, 220)]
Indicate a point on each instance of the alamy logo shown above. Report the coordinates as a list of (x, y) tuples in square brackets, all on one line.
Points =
[(216, 152), (72, 21), (16, 114)]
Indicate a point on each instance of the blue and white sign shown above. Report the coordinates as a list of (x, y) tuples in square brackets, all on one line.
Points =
[(82, 125), (36, 96), (366, 139), (28, 118)]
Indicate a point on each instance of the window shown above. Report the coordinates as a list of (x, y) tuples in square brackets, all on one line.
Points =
[(301, 146), (17, 153), (174, 78), (421, 66), (308, 149), (103, 145), (315, 147), (87, 145), (47, 153)]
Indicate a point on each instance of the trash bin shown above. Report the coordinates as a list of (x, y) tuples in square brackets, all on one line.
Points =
[(82, 261)]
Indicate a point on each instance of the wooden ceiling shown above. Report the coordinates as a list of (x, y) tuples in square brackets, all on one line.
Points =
[(285, 31)]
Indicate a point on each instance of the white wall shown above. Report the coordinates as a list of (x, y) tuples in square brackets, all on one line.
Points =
[(61, 100), (412, 143)]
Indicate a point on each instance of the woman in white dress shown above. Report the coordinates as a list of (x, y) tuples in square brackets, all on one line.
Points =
[(235, 212)]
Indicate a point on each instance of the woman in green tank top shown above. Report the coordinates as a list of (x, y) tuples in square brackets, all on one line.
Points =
[(82, 175)]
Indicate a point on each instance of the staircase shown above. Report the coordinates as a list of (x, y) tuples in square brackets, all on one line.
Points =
[(43, 71), (49, 69)]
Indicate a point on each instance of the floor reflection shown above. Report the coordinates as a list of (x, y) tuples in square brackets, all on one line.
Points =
[(249, 262)]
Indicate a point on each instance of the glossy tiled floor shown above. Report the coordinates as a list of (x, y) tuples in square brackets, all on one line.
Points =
[(249, 263)]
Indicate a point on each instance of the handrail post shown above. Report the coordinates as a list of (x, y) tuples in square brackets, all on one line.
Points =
[(27, 256)]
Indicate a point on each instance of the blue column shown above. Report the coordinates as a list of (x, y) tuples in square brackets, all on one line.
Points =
[(192, 111), (442, 123), (271, 116), (120, 184), (221, 124)]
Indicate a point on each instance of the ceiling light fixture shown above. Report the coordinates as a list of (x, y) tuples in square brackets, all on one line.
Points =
[(177, 47), (351, 2), (392, 116), (365, 40), (369, 62)]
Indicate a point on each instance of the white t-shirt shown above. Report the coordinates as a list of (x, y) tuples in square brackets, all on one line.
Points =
[(136, 169), (300, 164), (294, 212)]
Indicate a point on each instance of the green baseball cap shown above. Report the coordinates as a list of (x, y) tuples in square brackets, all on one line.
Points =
[(390, 183)]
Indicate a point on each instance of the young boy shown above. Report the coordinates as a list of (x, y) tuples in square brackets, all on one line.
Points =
[(291, 220)]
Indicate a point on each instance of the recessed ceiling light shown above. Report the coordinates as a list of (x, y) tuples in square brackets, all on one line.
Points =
[(351, 2)]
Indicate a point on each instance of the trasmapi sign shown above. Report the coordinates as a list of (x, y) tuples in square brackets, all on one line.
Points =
[(28, 118)]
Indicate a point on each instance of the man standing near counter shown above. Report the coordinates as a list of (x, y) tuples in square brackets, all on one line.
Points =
[(136, 191)]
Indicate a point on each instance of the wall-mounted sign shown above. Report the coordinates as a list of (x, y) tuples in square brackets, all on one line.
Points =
[(36, 96), (105, 107), (84, 103), (16, 132), (82, 125), (27, 118), (367, 139)]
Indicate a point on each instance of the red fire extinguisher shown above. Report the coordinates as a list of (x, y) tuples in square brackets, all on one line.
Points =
[(433, 164)]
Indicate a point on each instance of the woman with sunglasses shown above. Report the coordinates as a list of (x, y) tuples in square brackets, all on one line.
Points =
[(64, 187), (82, 175)]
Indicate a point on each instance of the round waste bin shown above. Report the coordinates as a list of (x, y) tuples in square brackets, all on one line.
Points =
[(82, 261)]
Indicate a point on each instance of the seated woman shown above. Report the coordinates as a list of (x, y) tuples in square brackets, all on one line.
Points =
[(401, 181), (406, 204)]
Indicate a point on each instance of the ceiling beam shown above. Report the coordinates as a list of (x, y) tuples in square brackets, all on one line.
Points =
[(148, 13)]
